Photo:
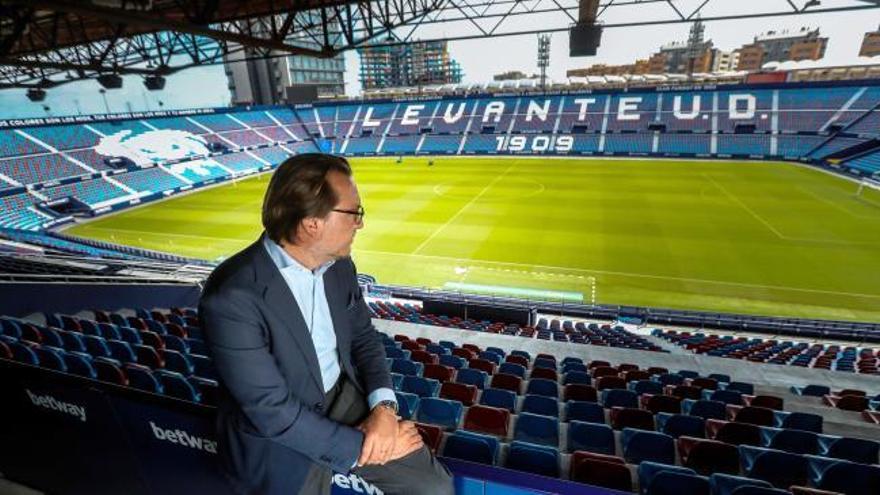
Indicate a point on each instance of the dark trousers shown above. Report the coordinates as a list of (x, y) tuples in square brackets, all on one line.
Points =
[(417, 473)]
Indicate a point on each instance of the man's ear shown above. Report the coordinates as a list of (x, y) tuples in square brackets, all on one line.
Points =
[(311, 226)]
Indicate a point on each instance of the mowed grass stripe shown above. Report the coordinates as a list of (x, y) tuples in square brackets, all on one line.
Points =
[(651, 232)]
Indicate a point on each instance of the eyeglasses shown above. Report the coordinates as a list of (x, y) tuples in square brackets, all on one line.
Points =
[(358, 214)]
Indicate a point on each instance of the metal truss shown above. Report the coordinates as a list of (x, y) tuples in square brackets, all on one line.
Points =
[(49, 42)]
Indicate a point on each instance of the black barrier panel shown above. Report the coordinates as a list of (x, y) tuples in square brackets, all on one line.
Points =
[(60, 436), (176, 450)]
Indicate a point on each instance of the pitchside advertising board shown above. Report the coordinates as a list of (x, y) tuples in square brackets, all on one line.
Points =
[(66, 435)]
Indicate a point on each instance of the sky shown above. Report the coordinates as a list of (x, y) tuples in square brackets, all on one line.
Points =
[(480, 59)]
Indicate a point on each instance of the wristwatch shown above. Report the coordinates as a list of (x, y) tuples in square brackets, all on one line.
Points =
[(390, 404)]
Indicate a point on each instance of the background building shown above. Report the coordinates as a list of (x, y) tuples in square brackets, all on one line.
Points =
[(412, 64), (870, 44), (781, 46)]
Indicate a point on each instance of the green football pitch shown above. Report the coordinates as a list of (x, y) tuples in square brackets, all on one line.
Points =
[(746, 237)]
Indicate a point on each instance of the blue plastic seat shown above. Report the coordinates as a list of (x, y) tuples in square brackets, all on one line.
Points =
[(574, 367), (121, 351), (178, 362), (676, 425), (24, 354), (496, 350), (745, 388), (615, 397), (850, 449), (538, 429), (851, 478), (51, 357), (591, 412), (423, 387), (96, 346), (706, 409), (176, 385), (689, 373), (109, 331), (524, 354), (176, 343), (440, 412), (203, 366), (538, 404), (675, 483), (540, 386), (725, 484), (648, 469), (10, 328), (437, 349), (407, 367), (531, 458), (110, 370), (407, 404), (51, 337), (794, 441), (799, 421), (80, 363), (470, 376), (513, 369), (646, 387), (720, 377), (197, 346), (496, 397), (473, 447), (726, 396), (780, 469), (577, 377), (129, 335), (456, 362), (670, 379), (544, 363), (491, 357), (396, 380), (641, 445), (396, 353), (812, 390), (142, 378), (590, 437)]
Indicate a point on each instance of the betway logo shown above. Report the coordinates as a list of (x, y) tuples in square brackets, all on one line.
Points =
[(54, 404), (181, 437), (356, 484)]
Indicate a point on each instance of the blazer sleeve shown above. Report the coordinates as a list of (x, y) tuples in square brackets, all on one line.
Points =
[(367, 351), (237, 337)]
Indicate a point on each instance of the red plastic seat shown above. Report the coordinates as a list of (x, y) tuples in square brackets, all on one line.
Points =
[(661, 403), (610, 382), (521, 360), (586, 468), (598, 363), (760, 416), (424, 340), (485, 419), (628, 417), (579, 391), (506, 381), (545, 373), (461, 352), (634, 375), (483, 365), (472, 347), (439, 372), (602, 371), (424, 357), (733, 433), (153, 340), (412, 345), (624, 367), (466, 394), (847, 402), (708, 456), (431, 434), (768, 401), (705, 383), (684, 391)]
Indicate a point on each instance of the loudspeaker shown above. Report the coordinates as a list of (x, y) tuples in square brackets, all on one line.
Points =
[(584, 39), (36, 94), (154, 83), (110, 81)]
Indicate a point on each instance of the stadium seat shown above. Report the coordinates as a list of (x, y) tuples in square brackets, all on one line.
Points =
[(142, 378), (602, 371), (109, 370), (204, 367), (531, 458), (812, 390), (725, 396), (512, 369), (496, 397), (706, 409), (640, 445), (539, 386), (506, 381), (432, 435), (51, 358), (396, 353), (708, 456), (538, 404), (676, 483), (577, 378), (574, 367), (423, 387), (760, 416), (406, 367), (590, 437), (466, 394), (148, 356), (175, 343), (592, 470), (780, 469), (619, 398), (590, 412), (50, 337), (121, 351), (5, 351), (455, 362), (725, 484), (440, 412), (661, 403), (794, 441), (607, 382), (579, 392), (850, 449), (97, 346), (851, 478), (473, 447), (800, 421), (153, 340), (646, 387), (647, 470), (670, 379), (686, 392), (438, 372), (720, 377), (485, 419), (472, 376), (626, 417), (544, 373), (742, 387), (733, 433), (537, 429), (176, 385), (423, 357), (676, 425), (767, 401), (407, 404)]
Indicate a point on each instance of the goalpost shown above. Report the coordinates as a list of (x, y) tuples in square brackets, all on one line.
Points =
[(869, 191)]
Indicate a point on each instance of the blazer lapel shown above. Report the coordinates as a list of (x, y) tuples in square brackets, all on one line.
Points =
[(282, 304), (337, 303)]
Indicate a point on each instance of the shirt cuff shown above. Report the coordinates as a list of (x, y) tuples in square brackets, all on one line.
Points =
[(380, 394)]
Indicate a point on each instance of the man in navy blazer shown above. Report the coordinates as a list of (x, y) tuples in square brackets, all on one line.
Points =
[(305, 389)]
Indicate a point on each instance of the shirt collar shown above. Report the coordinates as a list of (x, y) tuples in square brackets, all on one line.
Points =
[(287, 263)]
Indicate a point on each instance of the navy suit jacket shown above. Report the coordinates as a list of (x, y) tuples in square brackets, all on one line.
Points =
[(271, 421)]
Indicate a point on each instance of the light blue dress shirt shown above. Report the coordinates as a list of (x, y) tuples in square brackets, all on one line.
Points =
[(307, 287)]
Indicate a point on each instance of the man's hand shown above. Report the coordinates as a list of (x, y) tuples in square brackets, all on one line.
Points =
[(408, 440), (380, 433)]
